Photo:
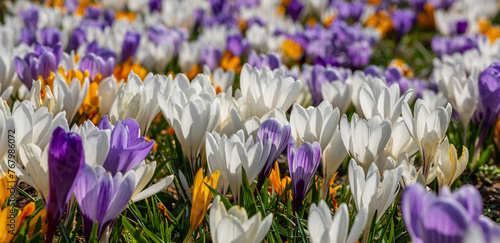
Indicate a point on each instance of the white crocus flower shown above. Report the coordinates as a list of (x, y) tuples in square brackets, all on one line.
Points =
[(143, 174), (378, 99), (433, 99), (461, 90), (410, 174), (7, 71), (266, 89), (325, 229), (428, 129), (401, 141), (191, 111), (338, 94), (356, 80), (231, 155), (448, 167), (70, 97), (64, 97), (36, 168), (365, 140), (331, 157), (154, 57), (371, 193), (96, 142), (189, 55), (314, 124), (235, 226), (106, 92), (139, 100), (251, 125), (221, 79)]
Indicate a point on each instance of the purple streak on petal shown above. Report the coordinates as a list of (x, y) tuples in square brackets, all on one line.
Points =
[(443, 221)]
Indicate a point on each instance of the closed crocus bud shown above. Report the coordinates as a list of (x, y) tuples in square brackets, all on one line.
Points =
[(77, 38), (403, 21), (489, 96), (102, 197), (325, 229), (302, 162), (233, 225), (28, 36), (66, 162), (130, 45), (271, 131)]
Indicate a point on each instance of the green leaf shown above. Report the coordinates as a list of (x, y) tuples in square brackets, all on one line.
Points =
[(247, 195), (135, 233)]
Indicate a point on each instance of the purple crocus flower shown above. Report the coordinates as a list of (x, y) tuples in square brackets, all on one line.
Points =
[(444, 218), (28, 36), (373, 71), (102, 197), (96, 65), (318, 76), (271, 131), (109, 17), (403, 21), (295, 9), (271, 60), (127, 149), (211, 56), (66, 160), (50, 36), (155, 5), (302, 162), (30, 17), (489, 97), (78, 37), (130, 44), (92, 12), (237, 45), (39, 63)]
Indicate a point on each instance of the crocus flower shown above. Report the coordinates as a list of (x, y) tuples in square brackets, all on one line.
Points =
[(66, 162), (38, 64), (302, 162), (369, 192), (127, 148), (9, 231), (77, 38), (428, 129), (28, 36), (130, 45), (201, 197), (237, 45), (232, 155), (402, 21), (95, 65), (50, 36), (365, 140), (378, 99), (211, 56), (448, 167), (257, 85), (489, 96), (191, 111), (102, 197), (447, 217), (323, 228), (234, 225), (138, 99), (338, 94), (271, 131)]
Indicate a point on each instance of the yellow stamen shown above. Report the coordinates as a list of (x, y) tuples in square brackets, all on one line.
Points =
[(292, 49)]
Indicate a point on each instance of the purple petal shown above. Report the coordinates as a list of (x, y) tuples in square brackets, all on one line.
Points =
[(471, 200), (443, 221), (413, 201), (104, 123)]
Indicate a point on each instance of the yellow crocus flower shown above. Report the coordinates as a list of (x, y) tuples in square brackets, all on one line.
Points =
[(202, 196)]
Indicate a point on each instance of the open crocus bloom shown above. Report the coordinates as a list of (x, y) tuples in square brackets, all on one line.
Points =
[(448, 217), (323, 228), (235, 226)]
